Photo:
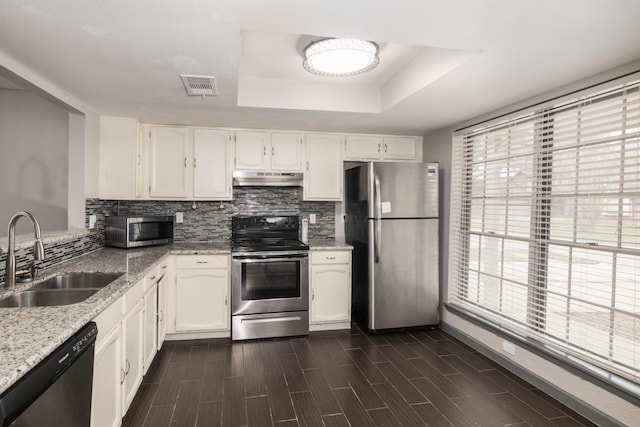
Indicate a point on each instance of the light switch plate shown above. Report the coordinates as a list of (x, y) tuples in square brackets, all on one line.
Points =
[(179, 217), (312, 218)]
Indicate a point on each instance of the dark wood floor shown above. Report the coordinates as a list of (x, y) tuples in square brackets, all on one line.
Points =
[(338, 378)]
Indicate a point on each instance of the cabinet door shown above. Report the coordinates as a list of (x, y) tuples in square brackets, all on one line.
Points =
[(323, 174), (106, 400), (150, 326), (286, 152), (169, 162), (163, 289), (363, 147), (330, 293), (133, 327), (400, 148), (211, 168), (120, 158), (202, 300), (251, 150)]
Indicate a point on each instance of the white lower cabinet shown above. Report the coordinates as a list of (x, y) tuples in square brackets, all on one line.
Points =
[(150, 325), (132, 331), (202, 293), (330, 281), (106, 402), (125, 348), (166, 277)]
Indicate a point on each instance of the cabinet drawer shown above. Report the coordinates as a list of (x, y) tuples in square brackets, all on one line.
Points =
[(202, 261), (151, 278), (109, 318), (330, 257), (133, 296)]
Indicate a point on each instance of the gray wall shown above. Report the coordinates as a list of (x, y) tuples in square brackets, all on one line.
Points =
[(34, 155)]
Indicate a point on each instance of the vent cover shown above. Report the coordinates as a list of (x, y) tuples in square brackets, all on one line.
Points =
[(200, 85)]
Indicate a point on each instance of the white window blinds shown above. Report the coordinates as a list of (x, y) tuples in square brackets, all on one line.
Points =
[(545, 226)]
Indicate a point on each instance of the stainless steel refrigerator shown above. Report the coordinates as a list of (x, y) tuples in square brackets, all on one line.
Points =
[(392, 223)]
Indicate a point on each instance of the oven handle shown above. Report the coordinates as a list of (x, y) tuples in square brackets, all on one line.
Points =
[(271, 257)]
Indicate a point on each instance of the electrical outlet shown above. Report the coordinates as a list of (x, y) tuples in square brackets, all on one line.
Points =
[(179, 217), (92, 221), (507, 347), (312, 218)]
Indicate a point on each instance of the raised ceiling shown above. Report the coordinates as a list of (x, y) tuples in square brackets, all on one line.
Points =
[(441, 62)]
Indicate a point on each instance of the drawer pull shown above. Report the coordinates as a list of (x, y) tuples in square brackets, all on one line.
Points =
[(330, 257), (153, 277), (202, 262), (272, 319)]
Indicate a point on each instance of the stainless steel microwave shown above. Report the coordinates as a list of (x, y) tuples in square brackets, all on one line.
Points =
[(137, 231)]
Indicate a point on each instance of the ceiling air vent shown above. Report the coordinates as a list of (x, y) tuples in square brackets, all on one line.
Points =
[(200, 85)]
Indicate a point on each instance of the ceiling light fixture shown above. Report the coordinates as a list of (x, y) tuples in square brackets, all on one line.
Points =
[(340, 57)]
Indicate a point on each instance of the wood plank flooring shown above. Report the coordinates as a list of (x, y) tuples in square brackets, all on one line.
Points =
[(338, 378)]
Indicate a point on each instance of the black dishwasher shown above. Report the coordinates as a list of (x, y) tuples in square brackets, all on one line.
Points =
[(58, 390)]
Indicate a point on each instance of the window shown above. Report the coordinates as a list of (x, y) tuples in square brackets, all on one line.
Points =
[(545, 226)]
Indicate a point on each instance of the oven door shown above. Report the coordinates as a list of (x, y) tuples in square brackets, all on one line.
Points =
[(270, 282)]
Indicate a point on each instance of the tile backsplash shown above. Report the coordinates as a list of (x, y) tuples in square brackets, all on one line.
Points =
[(212, 220), (209, 221)]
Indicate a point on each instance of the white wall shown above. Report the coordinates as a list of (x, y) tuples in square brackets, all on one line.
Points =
[(91, 154), (437, 147), (34, 154)]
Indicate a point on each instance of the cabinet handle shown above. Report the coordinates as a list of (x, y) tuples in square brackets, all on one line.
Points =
[(128, 365), (225, 300), (330, 257), (185, 162), (378, 147), (122, 375), (264, 150), (160, 316), (139, 159), (313, 295), (194, 162), (273, 150), (152, 278), (307, 166), (164, 267), (385, 148), (202, 262)]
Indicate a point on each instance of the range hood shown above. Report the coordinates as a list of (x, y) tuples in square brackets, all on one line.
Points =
[(267, 179)]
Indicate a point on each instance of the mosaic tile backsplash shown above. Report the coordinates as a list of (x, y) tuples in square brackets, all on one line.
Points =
[(212, 220), (209, 221)]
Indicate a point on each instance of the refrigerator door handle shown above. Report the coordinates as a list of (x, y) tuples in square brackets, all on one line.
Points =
[(378, 237)]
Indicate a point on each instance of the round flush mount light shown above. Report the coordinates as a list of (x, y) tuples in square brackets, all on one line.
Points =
[(340, 57)]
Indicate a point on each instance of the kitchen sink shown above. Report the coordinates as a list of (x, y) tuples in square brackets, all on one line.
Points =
[(78, 281), (47, 297), (63, 289)]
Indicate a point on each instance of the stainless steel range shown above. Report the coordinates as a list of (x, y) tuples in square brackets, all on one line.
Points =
[(269, 278)]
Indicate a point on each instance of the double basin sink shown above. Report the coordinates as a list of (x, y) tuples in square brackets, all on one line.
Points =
[(63, 289)]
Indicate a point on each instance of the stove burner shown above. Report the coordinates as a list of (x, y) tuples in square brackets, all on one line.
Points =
[(266, 234)]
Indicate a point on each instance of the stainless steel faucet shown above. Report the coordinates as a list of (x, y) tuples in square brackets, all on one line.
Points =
[(38, 247)]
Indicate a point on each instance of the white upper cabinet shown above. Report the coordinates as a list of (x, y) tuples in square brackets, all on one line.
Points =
[(377, 147), (400, 148), (251, 150), (324, 171), (120, 158), (189, 163), (363, 147), (268, 151), (211, 164), (170, 151), (286, 152)]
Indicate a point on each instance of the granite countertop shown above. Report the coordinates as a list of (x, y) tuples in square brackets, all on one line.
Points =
[(28, 335), (328, 245)]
